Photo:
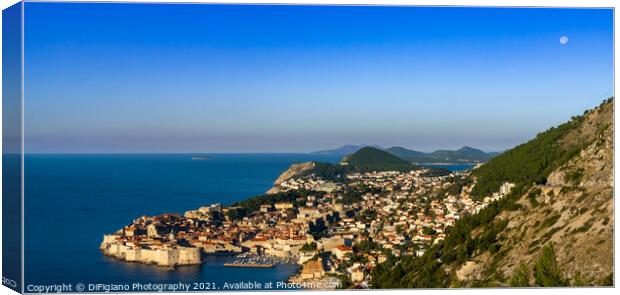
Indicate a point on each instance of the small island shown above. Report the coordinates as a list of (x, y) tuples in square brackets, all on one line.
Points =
[(200, 158)]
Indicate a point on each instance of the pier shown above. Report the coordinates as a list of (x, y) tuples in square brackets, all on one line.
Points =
[(249, 264), (260, 261)]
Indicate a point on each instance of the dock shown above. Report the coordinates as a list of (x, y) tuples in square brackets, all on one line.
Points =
[(259, 265)]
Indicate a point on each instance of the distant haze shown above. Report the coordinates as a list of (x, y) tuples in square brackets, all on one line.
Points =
[(226, 78)]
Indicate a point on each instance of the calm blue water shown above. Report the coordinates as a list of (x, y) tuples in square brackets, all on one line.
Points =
[(72, 200)]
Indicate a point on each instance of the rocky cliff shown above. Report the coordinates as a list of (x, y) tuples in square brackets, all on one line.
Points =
[(571, 216), (295, 170)]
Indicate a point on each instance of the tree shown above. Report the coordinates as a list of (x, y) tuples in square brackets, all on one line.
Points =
[(521, 277), (428, 231), (217, 217), (236, 213), (309, 247), (546, 270)]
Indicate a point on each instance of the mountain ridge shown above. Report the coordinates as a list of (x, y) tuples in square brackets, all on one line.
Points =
[(346, 149), (464, 154), (373, 159)]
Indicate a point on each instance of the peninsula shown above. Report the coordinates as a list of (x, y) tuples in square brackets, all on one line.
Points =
[(337, 221)]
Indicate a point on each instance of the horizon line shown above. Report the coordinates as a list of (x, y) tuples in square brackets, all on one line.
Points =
[(315, 152)]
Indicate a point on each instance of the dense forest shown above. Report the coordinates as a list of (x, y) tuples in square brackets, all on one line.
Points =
[(527, 163), (372, 159)]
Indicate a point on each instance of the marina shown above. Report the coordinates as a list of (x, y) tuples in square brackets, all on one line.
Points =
[(259, 261), (236, 264)]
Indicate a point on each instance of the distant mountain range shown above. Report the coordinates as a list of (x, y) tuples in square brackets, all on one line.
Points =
[(463, 155)]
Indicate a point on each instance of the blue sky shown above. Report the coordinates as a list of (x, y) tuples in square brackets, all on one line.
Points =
[(215, 78)]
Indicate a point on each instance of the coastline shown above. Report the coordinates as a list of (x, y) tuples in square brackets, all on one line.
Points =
[(254, 265), (447, 164), (172, 240)]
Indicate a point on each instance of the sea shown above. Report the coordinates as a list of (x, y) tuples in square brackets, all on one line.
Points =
[(451, 167), (72, 200)]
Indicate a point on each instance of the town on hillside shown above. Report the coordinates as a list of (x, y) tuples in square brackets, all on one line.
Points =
[(336, 232)]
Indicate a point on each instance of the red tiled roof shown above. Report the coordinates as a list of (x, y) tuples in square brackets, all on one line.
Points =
[(344, 248)]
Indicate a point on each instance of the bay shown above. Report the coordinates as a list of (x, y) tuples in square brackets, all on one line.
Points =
[(72, 200)]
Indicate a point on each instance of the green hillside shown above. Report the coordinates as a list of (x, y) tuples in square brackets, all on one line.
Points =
[(463, 154), (372, 159), (531, 162)]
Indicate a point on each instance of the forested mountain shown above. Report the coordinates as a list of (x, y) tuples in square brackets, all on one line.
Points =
[(344, 150), (410, 155), (372, 159), (555, 228), (364, 160), (463, 155)]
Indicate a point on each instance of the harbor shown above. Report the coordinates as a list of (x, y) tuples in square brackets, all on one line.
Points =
[(258, 261)]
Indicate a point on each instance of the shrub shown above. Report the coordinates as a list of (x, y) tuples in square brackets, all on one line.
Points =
[(521, 277), (546, 270)]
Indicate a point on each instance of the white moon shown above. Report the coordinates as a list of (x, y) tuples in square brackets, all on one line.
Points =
[(563, 40)]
